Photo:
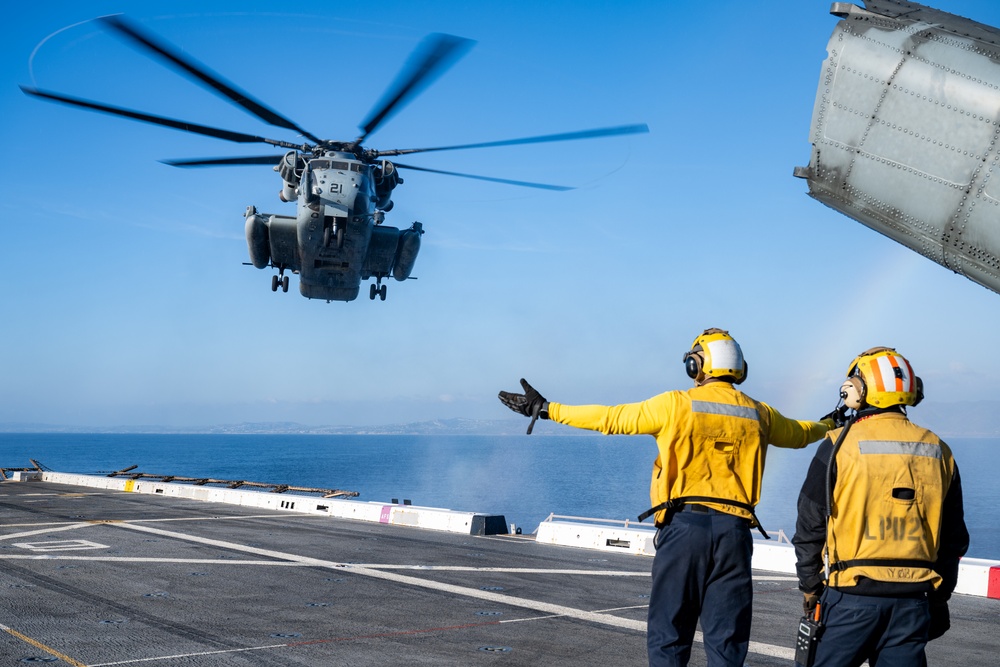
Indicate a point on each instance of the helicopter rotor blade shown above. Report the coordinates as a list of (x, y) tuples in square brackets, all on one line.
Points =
[(524, 184), (225, 161), (547, 138), (203, 74), (228, 135), (434, 55)]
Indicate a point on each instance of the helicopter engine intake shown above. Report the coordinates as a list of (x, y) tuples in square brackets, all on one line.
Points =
[(406, 251), (290, 169), (386, 179)]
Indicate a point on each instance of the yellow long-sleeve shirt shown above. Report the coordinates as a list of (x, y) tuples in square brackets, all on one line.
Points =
[(712, 440)]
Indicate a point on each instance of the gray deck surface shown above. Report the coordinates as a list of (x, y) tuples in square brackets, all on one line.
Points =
[(90, 577)]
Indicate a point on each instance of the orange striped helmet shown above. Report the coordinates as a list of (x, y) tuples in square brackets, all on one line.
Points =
[(882, 378)]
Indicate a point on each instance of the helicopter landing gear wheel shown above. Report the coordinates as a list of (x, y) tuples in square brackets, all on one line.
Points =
[(330, 235), (381, 292), (274, 283), (372, 292), (284, 284)]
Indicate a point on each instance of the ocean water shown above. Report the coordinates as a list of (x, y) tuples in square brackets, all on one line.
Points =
[(523, 478)]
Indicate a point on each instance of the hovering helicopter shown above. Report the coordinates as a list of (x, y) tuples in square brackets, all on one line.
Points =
[(342, 190)]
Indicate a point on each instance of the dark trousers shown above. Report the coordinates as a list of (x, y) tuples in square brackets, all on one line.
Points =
[(888, 632), (701, 569)]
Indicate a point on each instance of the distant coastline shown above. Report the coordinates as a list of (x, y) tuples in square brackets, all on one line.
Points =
[(980, 419), (457, 426)]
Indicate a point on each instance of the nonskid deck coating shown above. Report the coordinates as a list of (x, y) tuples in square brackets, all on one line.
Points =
[(102, 578)]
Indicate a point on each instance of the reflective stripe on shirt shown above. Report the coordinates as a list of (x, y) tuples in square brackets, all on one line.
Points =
[(899, 447), (727, 409)]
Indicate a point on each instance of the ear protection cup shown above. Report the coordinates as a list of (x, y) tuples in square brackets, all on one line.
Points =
[(920, 392), (853, 392), (745, 370), (692, 365)]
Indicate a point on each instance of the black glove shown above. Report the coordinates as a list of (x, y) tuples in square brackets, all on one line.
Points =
[(809, 602), (940, 620), (838, 416), (530, 403)]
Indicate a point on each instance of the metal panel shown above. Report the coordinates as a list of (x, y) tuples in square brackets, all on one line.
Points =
[(905, 129)]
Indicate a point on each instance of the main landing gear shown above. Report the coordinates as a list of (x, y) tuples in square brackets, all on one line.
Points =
[(280, 279), (377, 289)]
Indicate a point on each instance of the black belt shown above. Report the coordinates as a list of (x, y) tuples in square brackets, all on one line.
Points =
[(881, 562)]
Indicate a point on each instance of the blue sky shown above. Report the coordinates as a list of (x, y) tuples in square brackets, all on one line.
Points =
[(126, 301)]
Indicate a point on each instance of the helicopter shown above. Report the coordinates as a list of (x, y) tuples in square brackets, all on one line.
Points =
[(342, 190)]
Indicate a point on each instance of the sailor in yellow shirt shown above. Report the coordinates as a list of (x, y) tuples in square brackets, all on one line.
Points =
[(712, 440)]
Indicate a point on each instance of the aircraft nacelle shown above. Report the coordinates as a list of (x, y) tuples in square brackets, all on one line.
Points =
[(386, 179), (290, 169), (905, 128)]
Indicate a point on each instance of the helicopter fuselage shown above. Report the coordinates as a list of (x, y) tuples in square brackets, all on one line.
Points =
[(336, 239)]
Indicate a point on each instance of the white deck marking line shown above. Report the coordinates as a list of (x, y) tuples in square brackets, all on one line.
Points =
[(221, 518), (511, 570), (41, 531), (529, 570), (33, 495), (509, 600), (188, 655), (97, 522), (136, 559)]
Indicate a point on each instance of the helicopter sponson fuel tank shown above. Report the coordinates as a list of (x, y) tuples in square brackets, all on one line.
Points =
[(905, 128)]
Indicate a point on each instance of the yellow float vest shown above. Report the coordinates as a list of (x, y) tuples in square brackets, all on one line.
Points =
[(720, 464), (892, 477)]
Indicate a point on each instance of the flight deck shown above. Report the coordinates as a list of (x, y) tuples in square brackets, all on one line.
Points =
[(102, 577)]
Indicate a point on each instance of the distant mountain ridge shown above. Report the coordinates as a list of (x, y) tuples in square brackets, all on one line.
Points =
[(974, 419), (456, 426)]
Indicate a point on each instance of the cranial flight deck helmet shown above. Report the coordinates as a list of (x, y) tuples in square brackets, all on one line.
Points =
[(715, 354), (881, 377)]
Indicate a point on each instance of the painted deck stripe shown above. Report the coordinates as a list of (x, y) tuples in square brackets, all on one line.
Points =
[(42, 531), (178, 656), (140, 559), (39, 645), (509, 600)]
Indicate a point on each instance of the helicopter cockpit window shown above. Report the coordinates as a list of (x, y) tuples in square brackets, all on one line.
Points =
[(320, 164), (343, 166)]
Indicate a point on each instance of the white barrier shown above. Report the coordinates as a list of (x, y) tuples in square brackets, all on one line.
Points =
[(976, 576), (428, 518), (597, 534)]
